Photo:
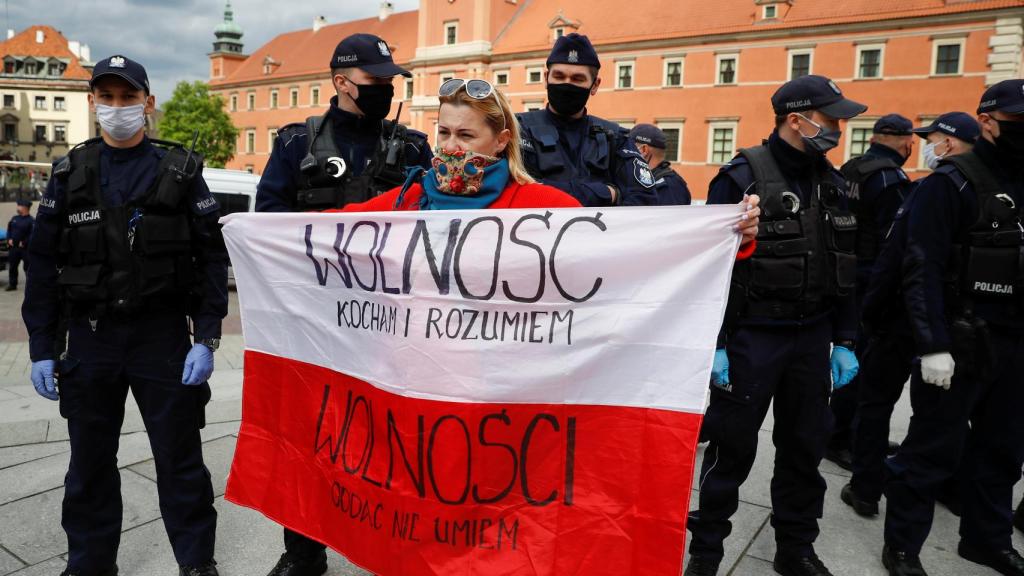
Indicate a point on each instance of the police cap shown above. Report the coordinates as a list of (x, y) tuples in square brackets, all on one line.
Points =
[(369, 53), (124, 68), (1006, 96), (815, 93), (956, 124), (894, 125), (574, 49), (25, 203), (648, 134)]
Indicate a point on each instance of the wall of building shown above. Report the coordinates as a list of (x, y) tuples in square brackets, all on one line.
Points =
[(75, 119)]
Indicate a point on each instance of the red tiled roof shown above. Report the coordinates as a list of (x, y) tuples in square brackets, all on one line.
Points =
[(54, 45), (306, 52), (606, 22)]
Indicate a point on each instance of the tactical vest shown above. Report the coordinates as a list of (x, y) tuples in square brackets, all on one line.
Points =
[(327, 179), (541, 140), (117, 258), (987, 257), (856, 172), (805, 253)]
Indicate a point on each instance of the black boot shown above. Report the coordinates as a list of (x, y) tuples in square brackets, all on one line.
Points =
[(839, 454), (862, 507), (811, 565), (290, 565), (901, 563), (702, 566), (1007, 562), (208, 569)]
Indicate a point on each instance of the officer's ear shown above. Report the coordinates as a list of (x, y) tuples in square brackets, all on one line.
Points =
[(597, 84), (150, 104), (989, 126)]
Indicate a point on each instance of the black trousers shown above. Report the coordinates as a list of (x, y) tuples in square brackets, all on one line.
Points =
[(14, 259), (884, 369), (146, 355), (302, 548), (975, 424), (791, 365)]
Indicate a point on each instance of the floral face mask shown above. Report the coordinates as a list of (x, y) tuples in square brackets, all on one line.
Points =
[(461, 173)]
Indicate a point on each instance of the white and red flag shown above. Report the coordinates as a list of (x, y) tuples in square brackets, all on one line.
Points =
[(482, 392)]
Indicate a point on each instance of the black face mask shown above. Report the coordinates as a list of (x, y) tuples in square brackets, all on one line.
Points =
[(374, 99), (567, 99), (1010, 142)]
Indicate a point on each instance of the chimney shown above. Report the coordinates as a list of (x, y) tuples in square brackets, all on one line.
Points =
[(386, 9), (86, 54), (318, 23), (39, 36), (10, 33), (76, 48)]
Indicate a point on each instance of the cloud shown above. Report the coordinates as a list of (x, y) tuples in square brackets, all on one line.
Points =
[(172, 38)]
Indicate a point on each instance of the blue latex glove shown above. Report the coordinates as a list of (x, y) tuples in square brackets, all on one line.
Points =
[(844, 366), (42, 379), (720, 367), (198, 365)]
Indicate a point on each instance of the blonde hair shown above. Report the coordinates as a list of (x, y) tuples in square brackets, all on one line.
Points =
[(498, 118)]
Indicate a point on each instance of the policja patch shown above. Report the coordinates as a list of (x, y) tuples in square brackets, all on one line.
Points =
[(642, 173)]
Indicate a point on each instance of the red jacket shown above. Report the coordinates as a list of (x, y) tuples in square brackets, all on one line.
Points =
[(515, 196)]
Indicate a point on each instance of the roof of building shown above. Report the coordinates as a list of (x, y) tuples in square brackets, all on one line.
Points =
[(305, 52), (54, 45), (530, 29)]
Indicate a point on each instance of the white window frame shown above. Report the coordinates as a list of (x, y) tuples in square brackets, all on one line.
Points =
[(554, 32), (536, 69), (444, 77), (250, 100), (530, 105), (14, 102), (250, 141), (961, 42), (736, 69), (712, 126), (852, 125), (46, 133), (314, 95), (271, 136), (293, 97), (408, 89), (679, 143), (63, 127), (233, 103), (682, 72), (447, 25), (275, 100), (35, 102), (63, 104), (881, 61), (507, 76), (631, 64), (764, 12), (799, 52)]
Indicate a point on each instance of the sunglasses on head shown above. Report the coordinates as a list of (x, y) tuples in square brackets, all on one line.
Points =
[(476, 89)]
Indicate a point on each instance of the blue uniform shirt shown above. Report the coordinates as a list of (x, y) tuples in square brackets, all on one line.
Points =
[(356, 139), (124, 174), (19, 229), (672, 189), (582, 157), (737, 178)]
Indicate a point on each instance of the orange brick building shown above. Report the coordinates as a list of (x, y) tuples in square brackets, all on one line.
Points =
[(702, 71)]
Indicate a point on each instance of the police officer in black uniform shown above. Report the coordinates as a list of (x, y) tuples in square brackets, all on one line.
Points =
[(127, 249), (877, 186), (886, 361), (963, 284), (792, 298), (19, 229), (350, 154), (592, 159), (650, 142)]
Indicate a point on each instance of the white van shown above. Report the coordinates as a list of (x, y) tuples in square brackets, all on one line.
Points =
[(235, 190)]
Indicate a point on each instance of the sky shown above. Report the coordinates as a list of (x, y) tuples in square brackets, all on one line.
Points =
[(172, 38)]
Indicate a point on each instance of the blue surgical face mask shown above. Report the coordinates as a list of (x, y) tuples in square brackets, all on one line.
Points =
[(931, 159), (821, 142), (121, 123)]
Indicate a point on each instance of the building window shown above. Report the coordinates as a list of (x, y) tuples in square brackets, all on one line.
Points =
[(558, 33), (10, 132), (314, 96), (501, 78), (30, 68), (624, 75), (948, 57), (673, 73), (9, 67), (531, 106), (248, 168), (250, 101), (273, 99), (860, 140), (534, 75), (271, 136), (451, 32), (770, 11), (234, 102), (673, 140), (445, 76), (59, 104), (869, 61), (250, 141), (60, 134), (293, 97), (723, 142), (40, 103), (54, 69), (727, 69), (799, 63), (8, 100), (40, 133)]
